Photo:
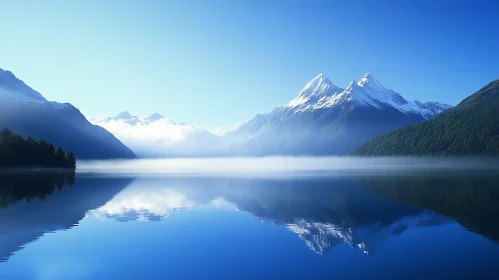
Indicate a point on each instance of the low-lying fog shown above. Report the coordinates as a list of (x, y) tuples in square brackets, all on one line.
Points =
[(266, 165)]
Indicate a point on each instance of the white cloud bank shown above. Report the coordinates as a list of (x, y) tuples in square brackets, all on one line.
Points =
[(157, 136)]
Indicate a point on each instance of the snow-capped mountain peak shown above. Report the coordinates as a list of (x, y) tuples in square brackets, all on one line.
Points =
[(351, 86), (320, 93), (325, 119), (318, 88), (311, 86), (369, 80), (130, 119), (372, 93)]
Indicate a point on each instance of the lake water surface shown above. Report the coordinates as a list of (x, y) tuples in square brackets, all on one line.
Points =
[(440, 224)]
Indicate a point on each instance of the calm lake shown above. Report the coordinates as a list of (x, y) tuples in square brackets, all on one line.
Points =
[(441, 224)]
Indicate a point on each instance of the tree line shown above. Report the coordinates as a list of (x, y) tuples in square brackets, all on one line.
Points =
[(15, 151), (469, 129)]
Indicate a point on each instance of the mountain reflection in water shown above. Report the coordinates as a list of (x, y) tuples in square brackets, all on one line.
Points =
[(33, 204), (362, 212)]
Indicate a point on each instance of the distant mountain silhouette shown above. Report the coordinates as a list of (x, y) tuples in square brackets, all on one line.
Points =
[(26, 112)]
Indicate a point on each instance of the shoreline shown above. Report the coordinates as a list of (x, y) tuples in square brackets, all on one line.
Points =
[(5, 170)]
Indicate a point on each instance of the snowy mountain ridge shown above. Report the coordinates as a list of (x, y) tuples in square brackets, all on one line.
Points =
[(320, 93), (322, 119), (153, 127), (156, 136), (127, 118)]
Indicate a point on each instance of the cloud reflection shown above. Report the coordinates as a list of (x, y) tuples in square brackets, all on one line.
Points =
[(143, 203)]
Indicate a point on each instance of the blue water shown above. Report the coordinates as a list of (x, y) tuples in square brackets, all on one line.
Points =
[(443, 226)]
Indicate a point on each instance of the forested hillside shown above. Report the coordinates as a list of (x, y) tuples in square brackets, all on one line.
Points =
[(470, 128), (15, 151)]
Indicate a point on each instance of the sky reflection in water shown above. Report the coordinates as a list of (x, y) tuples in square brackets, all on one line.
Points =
[(411, 226)]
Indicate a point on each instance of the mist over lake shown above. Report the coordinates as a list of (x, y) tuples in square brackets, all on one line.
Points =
[(269, 165)]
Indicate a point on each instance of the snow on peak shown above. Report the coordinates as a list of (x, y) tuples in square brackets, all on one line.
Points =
[(129, 119), (314, 82), (320, 93), (374, 87), (351, 85), (374, 94), (368, 75), (318, 88), (430, 109), (368, 78)]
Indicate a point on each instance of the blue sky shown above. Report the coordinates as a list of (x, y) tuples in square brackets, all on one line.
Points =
[(217, 62)]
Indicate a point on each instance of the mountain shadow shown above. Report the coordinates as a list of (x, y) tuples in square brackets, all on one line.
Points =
[(33, 204), (26, 112), (471, 199), (323, 212)]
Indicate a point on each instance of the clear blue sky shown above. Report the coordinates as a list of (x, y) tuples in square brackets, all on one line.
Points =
[(212, 63)]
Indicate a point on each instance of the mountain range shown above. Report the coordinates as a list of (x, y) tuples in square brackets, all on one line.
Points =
[(326, 119), (470, 128), (157, 136), (26, 112), (323, 119)]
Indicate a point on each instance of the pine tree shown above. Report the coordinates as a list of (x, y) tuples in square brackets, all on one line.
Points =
[(15, 151)]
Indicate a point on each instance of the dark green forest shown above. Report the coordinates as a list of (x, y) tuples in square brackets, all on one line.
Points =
[(15, 151), (470, 128)]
